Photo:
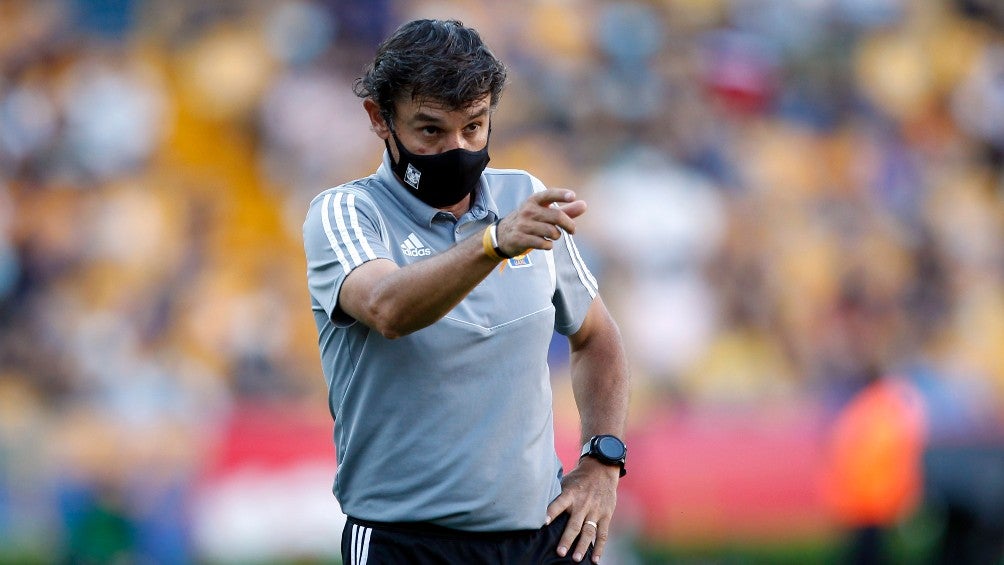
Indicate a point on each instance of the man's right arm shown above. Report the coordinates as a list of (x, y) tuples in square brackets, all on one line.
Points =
[(396, 301)]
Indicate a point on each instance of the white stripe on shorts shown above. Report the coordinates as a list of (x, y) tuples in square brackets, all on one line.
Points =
[(360, 544)]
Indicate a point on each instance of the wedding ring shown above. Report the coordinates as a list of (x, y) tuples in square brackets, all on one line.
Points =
[(591, 523)]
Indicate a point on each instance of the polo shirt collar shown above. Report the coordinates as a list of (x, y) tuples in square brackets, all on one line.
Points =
[(421, 212)]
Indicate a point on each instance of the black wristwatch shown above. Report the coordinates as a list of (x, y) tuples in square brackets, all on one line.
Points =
[(606, 449)]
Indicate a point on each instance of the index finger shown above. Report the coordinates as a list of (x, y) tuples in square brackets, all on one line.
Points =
[(552, 195)]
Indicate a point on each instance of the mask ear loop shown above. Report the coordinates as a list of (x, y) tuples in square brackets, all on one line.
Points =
[(389, 119), (390, 126)]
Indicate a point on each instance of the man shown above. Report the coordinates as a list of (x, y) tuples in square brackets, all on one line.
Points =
[(436, 284)]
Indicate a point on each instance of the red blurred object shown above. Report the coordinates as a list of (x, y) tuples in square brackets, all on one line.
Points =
[(695, 475), (721, 474), (272, 437), (740, 70)]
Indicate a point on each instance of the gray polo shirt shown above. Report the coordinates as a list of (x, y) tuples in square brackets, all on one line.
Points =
[(451, 424)]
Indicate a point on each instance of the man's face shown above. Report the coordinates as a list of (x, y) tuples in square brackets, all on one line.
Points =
[(426, 128)]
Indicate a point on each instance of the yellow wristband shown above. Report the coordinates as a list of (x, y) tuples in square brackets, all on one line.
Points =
[(487, 244)]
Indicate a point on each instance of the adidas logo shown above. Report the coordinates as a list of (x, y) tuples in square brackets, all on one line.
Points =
[(413, 247)]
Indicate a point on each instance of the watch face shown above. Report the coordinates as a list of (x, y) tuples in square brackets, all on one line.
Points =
[(610, 447)]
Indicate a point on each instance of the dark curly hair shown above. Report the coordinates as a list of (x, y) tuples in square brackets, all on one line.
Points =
[(432, 60)]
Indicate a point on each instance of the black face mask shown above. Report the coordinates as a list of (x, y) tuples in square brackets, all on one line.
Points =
[(442, 179)]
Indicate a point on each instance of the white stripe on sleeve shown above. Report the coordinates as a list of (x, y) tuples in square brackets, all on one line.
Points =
[(343, 231), (354, 221), (585, 277), (331, 234)]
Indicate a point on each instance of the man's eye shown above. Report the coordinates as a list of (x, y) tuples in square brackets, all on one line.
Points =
[(430, 130)]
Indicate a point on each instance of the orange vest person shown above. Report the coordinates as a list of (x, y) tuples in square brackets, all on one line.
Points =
[(875, 470)]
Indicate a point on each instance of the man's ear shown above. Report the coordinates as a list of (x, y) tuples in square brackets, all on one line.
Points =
[(377, 122)]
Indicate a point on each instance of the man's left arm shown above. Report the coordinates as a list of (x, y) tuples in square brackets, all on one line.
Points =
[(600, 383)]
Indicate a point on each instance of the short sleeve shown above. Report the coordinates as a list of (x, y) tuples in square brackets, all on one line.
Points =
[(341, 232), (574, 285)]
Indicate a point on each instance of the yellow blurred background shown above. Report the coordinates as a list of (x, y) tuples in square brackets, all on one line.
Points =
[(796, 216)]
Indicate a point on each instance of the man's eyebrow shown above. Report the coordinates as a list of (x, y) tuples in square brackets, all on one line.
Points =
[(429, 118), (480, 113), (423, 117)]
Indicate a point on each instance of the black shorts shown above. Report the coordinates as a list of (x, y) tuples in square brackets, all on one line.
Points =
[(378, 543)]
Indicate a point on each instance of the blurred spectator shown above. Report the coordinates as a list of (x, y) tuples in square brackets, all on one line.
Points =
[(670, 222), (114, 116), (874, 474), (979, 100)]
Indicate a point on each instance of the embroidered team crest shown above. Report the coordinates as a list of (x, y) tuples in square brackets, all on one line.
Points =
[(520, 261), (412, 176)]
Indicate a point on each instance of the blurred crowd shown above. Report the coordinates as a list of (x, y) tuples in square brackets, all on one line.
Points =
[(788, 199)]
